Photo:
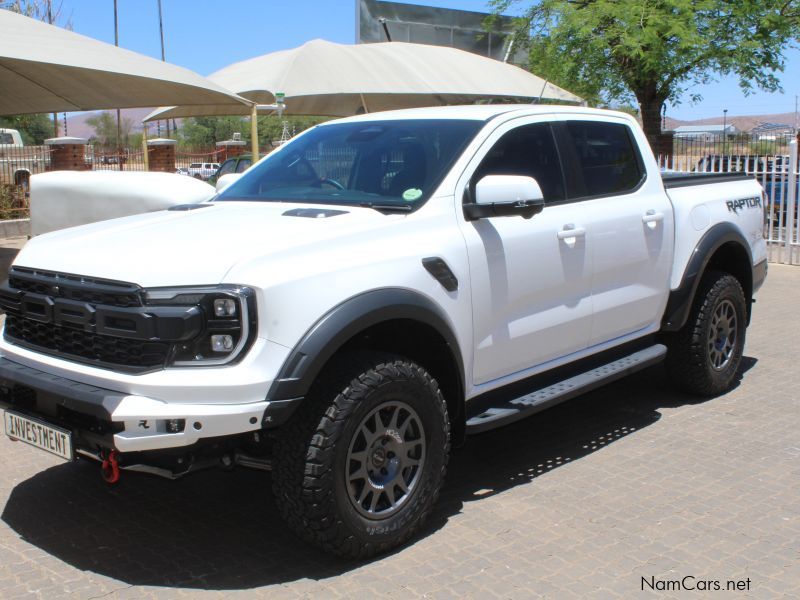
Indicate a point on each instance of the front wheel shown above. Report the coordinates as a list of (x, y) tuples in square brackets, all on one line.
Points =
[(360, 465), (704, 356)]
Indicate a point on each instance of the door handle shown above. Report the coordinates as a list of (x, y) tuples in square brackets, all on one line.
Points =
[(651, 216), (570, 231)]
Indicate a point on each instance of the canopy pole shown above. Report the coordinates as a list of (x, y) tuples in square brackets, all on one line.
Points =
[(254, 132), (144, 147), (364, 103)]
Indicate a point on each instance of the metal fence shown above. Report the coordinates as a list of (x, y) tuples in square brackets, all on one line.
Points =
[(132, 158), (19, 163), (696, 146), (778, 175)]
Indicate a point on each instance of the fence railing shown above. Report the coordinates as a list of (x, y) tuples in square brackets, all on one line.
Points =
[(778, 176), (695, 146)]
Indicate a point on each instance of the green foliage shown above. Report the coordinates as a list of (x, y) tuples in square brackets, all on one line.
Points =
[(654, 51), (34, 129), (105, 129), (206, 131), (270, 128)]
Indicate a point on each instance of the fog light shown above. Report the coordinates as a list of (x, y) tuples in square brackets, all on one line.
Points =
[(222, 343), (225, 307), (175, 425)]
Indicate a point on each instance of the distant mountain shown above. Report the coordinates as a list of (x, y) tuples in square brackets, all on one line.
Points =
[(78, 127), (742, 123)]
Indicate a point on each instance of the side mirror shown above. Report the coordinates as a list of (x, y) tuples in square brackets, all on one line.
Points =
[(226, 180), (505, 196)]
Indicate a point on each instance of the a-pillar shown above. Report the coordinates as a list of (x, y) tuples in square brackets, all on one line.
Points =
[(161, 155), (230, 148), (68, 154)]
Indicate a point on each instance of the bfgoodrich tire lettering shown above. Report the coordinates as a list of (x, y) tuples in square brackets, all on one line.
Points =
[(368, 407), (704, 356)]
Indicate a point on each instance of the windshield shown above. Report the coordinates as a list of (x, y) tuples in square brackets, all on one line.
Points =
[(384, 164)]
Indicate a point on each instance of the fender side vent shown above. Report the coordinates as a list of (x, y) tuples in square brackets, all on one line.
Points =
[(441, 272), (314, 213)]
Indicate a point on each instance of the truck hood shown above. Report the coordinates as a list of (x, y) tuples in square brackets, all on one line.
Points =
[(193, 247)]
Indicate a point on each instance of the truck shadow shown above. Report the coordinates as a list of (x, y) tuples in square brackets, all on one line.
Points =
[(220, 530)]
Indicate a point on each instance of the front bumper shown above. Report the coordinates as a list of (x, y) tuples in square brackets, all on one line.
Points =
[(128, 422)]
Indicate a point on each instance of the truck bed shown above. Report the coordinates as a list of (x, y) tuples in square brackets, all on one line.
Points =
[(675, 180)]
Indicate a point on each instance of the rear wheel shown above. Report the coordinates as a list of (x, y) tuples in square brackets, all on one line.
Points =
[(704, 356), (360, 465)]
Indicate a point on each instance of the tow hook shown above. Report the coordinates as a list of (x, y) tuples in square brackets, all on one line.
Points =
[(110, 467)]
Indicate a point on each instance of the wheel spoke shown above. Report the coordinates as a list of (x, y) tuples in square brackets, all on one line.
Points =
[(364, 492), (376, 495), (393, 420)]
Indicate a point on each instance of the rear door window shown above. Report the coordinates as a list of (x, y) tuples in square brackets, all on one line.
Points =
[(243, 165), (606, 157)]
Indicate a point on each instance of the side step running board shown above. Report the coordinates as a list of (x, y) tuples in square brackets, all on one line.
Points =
[(508, 411)]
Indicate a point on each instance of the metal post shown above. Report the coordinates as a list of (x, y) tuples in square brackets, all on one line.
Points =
[(119, 134), (144, 147), (791, 201), (50, 21), (254, 132), (161, 31), (724, 131)]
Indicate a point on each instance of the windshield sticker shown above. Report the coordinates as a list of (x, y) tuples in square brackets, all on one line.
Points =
[(735, 206), (412, 194)]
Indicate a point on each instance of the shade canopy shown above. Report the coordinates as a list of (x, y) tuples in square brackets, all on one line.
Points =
[(324, 78), (48, 69)]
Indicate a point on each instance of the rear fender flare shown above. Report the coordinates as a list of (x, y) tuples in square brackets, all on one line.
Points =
[(680, 299)]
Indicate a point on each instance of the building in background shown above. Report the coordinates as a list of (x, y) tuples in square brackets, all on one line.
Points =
[(707, 133), (379, 21)]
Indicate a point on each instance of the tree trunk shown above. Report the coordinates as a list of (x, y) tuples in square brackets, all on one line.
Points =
[(650, 109)]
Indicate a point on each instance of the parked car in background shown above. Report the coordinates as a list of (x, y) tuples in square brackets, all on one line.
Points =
[(181, 171), (237, 164), (202, 170), (17, 161), (777, 199)]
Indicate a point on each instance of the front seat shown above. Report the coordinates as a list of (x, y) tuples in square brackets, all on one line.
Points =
[(413, 172)]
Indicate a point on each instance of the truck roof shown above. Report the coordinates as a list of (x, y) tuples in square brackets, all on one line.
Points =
[(481, 112)]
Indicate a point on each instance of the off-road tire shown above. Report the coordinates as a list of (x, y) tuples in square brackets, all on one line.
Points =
[(312, 451), (691, 355)]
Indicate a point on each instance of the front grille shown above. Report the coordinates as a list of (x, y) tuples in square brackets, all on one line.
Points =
[(69, 342), (38, 318), (76, 287)]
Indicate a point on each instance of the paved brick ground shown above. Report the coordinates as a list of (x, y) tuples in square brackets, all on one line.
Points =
[(633, 481)]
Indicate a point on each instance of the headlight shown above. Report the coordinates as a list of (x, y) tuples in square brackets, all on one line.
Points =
[(229, 316)]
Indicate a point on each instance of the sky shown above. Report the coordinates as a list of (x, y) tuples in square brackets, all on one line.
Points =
[(207, 35)]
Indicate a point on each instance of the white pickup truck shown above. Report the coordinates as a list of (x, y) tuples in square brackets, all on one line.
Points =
[(369, 294)]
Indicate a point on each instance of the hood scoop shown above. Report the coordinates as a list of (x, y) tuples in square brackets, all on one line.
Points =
[(314, 213), (189, 206)]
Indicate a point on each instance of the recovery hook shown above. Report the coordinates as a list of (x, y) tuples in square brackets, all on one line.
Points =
[(110, 466)]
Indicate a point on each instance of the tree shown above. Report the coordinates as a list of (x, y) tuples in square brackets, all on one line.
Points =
[(207, 131), (655, 50), (105, 129), (35, 129)]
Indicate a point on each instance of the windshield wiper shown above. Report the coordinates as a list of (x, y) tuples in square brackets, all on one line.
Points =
[(387, 207)]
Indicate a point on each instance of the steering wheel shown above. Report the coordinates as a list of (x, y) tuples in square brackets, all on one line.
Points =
[(331, 182)]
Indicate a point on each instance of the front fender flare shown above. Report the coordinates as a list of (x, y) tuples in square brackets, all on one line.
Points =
[(347, 320)]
